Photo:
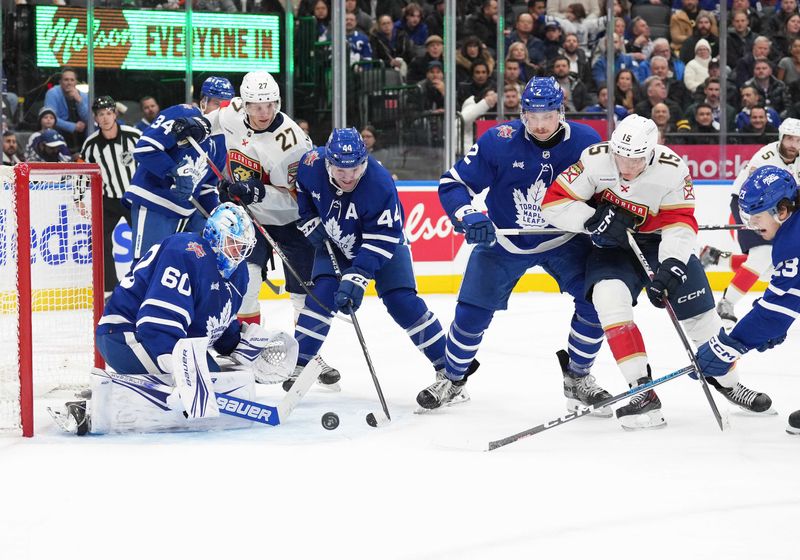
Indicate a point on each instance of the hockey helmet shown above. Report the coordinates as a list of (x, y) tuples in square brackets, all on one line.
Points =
[(104, 102), (260, 87), (635, 137), (216, 87), (542, 94), (346, 157), (231, 234), (764, 189), (790, 127)]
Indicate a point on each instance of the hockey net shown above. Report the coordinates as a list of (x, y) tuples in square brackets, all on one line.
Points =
[(48, 283)]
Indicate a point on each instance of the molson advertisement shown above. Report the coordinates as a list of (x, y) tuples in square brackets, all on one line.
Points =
[(156, 40)]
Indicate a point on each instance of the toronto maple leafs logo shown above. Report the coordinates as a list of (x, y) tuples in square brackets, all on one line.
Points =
[(505, 131), (346, 243), (196, 168), (215, 326), (529, 203)]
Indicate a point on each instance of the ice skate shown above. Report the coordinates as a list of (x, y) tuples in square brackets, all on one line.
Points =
[(725, 312), (746, 399), (644, 410), (72, 418), (794, 423), (582, 390), (442, 392), (328, 379)]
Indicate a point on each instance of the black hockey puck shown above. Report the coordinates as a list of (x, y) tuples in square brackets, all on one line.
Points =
[(330, 421), (371, 420)]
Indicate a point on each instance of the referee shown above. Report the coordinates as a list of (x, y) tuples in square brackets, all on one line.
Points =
[(111, 147)]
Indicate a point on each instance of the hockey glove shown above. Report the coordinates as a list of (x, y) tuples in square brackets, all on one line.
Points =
[(252, 341), (196, 127), (184, 181), (314, 232), (351, 290), (668, 278), (716, 357), (608, 227), (253, 190), (478, 228)]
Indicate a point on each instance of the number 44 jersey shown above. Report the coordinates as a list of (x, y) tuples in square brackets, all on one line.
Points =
[(662, 197), (271, 155)]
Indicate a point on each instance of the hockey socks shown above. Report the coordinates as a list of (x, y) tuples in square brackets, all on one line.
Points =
[(627, 346), (423, 328), (465, 337), (583, 344), (314, 322)]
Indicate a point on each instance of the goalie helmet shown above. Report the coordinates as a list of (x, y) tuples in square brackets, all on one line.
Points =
[(634, 137), (260, 87), (216, 87), (231, 235), (790, 127), (763, 190)]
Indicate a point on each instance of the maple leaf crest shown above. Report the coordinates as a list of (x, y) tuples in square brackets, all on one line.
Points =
[(529, 205), (345, 243), (215, 326), (196, 168)]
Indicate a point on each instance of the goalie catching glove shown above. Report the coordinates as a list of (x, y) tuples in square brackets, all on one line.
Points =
[(272, 355)]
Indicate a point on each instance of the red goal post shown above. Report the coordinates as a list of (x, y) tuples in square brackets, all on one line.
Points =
[(51, 283)]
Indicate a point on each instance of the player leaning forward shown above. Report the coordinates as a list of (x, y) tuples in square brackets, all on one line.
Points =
[(179, 300), (632, 182), (264, 150)]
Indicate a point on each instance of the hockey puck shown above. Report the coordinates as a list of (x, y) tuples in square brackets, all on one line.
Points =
[(371, 420), (330, 421)]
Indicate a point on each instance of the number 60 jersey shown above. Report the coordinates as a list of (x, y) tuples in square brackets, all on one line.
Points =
[(662, 197)]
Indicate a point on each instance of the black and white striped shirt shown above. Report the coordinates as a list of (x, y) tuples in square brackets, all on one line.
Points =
[(115, 158)]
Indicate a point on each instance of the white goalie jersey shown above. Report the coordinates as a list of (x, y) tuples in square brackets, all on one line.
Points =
[(766, 155), (272, 155)]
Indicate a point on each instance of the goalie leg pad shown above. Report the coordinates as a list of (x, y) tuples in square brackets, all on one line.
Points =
[(192, 378)]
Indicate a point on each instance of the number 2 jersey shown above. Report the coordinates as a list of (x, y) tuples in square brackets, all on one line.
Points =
[(662, 197), (176, 291), (773, 313), (365, 224), (271, 155), (157, 153)]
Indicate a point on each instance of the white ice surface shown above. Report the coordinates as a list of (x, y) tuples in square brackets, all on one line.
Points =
[(583, 490)]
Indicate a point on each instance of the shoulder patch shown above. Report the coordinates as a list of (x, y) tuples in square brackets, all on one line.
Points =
[(688, 188), (505, 131), (196, 248), (573, 172), (310, 158)]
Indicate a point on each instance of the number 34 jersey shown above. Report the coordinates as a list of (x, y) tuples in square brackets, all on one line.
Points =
[(271, 155), (662, 197)]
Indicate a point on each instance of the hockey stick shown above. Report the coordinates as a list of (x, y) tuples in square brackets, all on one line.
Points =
[(372, 419), (585, 411), (543, 231), (681, 333)]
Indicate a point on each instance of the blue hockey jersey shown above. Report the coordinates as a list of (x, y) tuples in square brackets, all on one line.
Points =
[(176, 291), (516, 171), (773, 313), (366, 224), (157, 152)]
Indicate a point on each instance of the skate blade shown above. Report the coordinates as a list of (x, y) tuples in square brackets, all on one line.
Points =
[(330, 388), (462, 398), (649, 421), (576, 406), (63, 420), (742, 411)]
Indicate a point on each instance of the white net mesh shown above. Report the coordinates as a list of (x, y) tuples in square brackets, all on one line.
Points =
[(61, 286)]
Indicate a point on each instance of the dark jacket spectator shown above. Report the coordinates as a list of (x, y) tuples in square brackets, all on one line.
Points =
[(471, 51), (483, 25), (419, 66), (523, 33), (433, 87), (387, 47), (758, 125), (578, 61), (576, 96), (411, 26), (655, 93), (740, 37), (478, 85), (435, 19), (771, 89), (762, 48)]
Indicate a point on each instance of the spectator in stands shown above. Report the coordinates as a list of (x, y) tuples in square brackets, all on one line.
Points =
[(662, 116), (712, 97), (620, 112), (626, 90), (10, 156), (473, 108), (360, 49), (753, 17), (391, 49), (682, 22), (622, 61), (704, 128), (771, 89), (562, 7), (641, 45), (434, 47), (363, 21), (71, 107), (483, 25), (655, 93), (479, 84), (791, 31), (435, 19), (578, 61), (150, 110), (784, 9), (576, 96), (759, 125), (47, 119), (661, 48), (586, 28), (303, 124), (412, 27), (51, 147), (511, 101), (676, 91), (705, 29), (789, 67), (697, 68), (751, 98), (527, 68), (473, 51), (322, 13), (552, 41), (740, 37), (511, 75), (433, 87), (368, 135), (523, 33), (731, 96), (762, 47)]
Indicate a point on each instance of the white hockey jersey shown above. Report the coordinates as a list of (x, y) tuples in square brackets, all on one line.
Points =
[(662, 197), (272, 155), (766, 155)]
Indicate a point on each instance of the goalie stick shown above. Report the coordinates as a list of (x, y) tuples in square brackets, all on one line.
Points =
[(681, 333), (585, 411)]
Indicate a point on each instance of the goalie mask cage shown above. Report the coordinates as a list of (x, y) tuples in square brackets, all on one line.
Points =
[(51, 283)]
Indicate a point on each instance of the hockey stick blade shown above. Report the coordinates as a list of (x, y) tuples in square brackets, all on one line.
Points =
[(587, 410)]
